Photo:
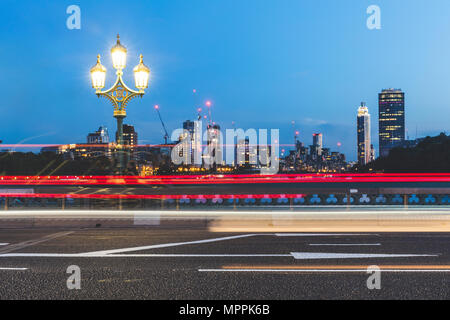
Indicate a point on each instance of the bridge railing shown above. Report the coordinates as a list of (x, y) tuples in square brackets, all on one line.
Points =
[(120, 202)]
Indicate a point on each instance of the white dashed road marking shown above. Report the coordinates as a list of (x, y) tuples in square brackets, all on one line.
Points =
[(325, 255)]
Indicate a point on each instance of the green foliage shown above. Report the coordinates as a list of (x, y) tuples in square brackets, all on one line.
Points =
[(432, 154), (48, 163)]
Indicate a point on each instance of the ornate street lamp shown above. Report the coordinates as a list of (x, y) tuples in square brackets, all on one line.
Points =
[(119, 94)]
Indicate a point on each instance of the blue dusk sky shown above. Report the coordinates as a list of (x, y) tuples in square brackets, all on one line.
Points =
[(262, 63)]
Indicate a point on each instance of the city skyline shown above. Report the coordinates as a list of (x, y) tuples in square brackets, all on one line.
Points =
[(230, 70), (287, 145)]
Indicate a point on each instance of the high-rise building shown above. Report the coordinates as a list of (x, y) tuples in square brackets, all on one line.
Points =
[(193, 155), (130, 136), (391, 119), (316, 147), (100, 136), (318, 140), (372, 153), (246, 154), (363, 136), (214, 145), (130, 139), (241, 153), (188, 155), (189, 126)]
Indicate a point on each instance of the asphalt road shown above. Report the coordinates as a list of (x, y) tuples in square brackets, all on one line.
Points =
[(148, 263)]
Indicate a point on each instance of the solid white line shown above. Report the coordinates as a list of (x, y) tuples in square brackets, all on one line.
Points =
[(157, 246), (326, 255), (295, 255), (4, 244), (14, 269), (318, 270), (330, 210), (345, 244), (335, 211), (85, 255)]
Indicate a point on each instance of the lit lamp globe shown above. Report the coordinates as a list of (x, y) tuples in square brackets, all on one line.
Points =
[(119, 55), (98, 75), (141, 75)]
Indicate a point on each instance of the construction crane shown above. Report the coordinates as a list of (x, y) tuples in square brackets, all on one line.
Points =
[(208, 104), (296, 150), (166, 135)]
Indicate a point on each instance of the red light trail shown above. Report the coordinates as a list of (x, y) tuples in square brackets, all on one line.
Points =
[(151, 196), (222, 179)]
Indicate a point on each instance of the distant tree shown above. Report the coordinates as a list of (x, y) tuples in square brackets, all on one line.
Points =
[(432, 154), (48, 163)]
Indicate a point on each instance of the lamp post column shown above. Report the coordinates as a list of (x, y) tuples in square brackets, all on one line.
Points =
[(120, 161)]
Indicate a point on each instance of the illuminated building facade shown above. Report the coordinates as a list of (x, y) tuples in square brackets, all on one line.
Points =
[(304, 159), (372, 153), (214, 153), (391, 119), (100, 136), (193, 155), (363, 134), (130, 140), (80, 151), (188, 155), (316, 147), (246, 154)]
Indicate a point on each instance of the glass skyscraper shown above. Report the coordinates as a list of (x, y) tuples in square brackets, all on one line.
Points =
[(363, 129), (130, 139), (317, 146), (391, 119), (194, 155)]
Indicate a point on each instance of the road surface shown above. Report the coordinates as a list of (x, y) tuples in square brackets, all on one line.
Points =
[(143, 262)]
